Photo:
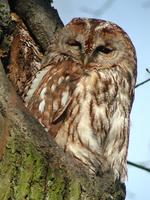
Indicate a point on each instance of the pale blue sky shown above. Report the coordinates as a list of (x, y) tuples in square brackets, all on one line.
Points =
[(134, 18)]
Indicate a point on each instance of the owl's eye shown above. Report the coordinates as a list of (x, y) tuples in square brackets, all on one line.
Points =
[(74, 43), (103, 49)]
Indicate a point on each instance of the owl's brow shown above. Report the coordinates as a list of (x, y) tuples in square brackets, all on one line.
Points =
[(91, 26), (103, 26)]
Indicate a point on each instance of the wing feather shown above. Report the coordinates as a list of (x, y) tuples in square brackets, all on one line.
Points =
[(53, 95)]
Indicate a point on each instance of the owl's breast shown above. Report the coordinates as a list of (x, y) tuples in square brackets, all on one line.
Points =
[(87, 123)]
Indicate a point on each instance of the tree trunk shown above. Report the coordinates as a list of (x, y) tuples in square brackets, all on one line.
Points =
[(32, 166)]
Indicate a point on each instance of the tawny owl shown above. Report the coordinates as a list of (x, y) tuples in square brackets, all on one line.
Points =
[(84, 92)]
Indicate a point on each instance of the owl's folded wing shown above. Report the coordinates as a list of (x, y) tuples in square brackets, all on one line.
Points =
[(53, 95)]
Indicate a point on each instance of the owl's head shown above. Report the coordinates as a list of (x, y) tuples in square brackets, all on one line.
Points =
[(94, 43)]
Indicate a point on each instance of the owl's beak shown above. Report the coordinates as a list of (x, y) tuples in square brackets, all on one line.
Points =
[(86, 60)]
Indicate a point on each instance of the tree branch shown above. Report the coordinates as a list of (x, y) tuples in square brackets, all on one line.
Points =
[(5, 27), (32, 165), (40, 17), (138, 166), (142, 83)]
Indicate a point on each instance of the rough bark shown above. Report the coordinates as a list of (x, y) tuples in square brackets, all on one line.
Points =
[(32, 166), (42, 19)]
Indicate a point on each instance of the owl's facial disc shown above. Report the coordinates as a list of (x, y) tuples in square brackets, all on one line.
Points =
[(100, 48), (92, 42), (81, 52)]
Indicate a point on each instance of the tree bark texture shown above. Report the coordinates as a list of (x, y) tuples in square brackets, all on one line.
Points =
[(32, 166)]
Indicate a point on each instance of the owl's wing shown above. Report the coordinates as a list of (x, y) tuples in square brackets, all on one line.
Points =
[(53, 95), (64, 86)]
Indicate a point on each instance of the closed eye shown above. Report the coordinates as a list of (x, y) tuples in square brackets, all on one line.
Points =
[(74, 43), (103, 49)]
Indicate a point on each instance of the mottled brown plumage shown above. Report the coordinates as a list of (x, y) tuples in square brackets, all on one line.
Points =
[(84, 92)]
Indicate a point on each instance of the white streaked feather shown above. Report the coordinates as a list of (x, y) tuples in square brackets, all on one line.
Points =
[(35, 84), (53, 87), (55, 105), (42, 94), (42, 106), (84, 128), (64, 99), (60, 80)]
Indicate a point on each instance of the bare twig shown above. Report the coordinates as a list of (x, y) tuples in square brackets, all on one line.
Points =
[(148, 70), (142, 83), (138, 166), (145, 163), (129, 162), (41, 19)]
